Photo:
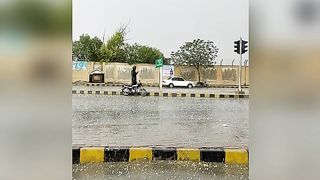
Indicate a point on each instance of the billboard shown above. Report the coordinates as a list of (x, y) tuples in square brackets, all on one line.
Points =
[(168, 70)]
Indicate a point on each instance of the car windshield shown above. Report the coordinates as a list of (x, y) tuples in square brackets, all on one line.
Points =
[(169, 78)]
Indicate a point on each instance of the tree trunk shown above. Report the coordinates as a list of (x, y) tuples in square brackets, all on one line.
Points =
[(198, 70)]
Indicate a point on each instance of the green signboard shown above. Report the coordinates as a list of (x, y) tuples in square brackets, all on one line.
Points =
[(159, 63)]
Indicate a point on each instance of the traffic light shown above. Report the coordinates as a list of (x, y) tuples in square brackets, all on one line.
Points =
[(244, 47), (237, 46)]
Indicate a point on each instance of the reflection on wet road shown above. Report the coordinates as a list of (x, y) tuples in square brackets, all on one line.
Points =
[(160, 170), (159, 121)]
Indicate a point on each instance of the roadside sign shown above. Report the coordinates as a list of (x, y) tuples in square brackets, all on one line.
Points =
[(168, 70), (159, 62), (79, 65)]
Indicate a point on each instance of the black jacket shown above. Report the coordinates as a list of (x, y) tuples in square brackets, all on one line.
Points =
[(134, 76)]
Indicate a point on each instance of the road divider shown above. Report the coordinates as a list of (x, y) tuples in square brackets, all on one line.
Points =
[(86, 155), (166, 94), (150, 85)]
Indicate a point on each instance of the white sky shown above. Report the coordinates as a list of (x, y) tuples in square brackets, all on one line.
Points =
[(167, 24)]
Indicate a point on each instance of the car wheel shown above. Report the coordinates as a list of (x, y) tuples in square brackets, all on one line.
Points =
[(190, 86), (171, 85)]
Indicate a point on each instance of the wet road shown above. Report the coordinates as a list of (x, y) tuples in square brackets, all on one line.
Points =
[(168, 90), (159, 121), (160, 170)]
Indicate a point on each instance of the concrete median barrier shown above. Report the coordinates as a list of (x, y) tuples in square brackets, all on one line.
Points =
[(151, 85), (84, 155), (167, 94)]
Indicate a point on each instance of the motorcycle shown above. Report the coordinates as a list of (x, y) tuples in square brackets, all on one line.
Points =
[(202, 85), (134, 90)]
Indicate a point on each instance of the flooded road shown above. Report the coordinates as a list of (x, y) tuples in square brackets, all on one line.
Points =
[(159, 121), (160, 170)]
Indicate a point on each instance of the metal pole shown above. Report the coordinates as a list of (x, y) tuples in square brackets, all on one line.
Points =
[(245, 72), (240, 63), (160, 79)]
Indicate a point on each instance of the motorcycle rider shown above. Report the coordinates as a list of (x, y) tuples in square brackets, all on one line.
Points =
[(136, 88), (134, 75)]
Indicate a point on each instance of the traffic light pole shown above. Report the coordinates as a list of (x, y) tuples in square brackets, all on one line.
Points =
[(240, 69), (240, 48)]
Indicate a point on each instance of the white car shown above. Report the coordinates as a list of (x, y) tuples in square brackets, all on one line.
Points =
[(178, 82)]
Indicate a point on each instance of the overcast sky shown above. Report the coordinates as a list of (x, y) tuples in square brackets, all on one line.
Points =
[(166, 24)]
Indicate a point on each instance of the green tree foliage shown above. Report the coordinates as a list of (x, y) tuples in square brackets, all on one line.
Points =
[(87, 48), (114, 49), (142, 54), (196, 53)]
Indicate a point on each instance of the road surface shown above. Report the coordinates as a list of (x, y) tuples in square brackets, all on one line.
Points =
[(160, 170), (159, 121)]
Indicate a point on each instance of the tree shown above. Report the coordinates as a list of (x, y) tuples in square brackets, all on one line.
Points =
[(114, 49), (142, 54), (196, 53), (87, 48)]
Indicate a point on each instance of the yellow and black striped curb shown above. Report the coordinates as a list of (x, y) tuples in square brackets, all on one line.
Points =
[(129, 154), (153, 85), (164, 94)]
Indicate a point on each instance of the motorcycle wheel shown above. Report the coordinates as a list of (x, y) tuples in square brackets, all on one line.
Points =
[(143, 92), (126, 91)]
